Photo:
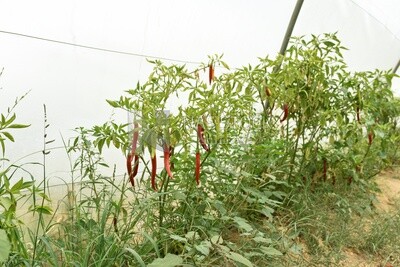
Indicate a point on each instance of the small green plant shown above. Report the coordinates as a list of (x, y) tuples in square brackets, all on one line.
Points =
[(10, 194)]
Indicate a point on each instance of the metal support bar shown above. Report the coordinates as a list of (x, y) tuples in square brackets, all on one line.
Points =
[(396, 67), (289, 30), (290, 27)]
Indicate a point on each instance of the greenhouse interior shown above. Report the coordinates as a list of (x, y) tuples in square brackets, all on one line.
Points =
[(188, 133)]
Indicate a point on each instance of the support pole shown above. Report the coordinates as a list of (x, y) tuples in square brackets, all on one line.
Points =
[(289, 30), (290, 27), (396, 67)]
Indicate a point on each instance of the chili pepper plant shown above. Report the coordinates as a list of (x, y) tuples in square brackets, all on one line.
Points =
[(211, 154), (234, 141)]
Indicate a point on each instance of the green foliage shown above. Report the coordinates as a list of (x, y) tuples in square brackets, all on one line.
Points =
[(10, 194), (5, 246), (254, 159), (290, 135)]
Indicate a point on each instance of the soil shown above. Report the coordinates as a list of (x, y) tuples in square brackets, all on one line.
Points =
[(389, 184)]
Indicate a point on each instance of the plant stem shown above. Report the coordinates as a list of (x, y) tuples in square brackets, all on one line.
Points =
[(162, 198), (40, 219)]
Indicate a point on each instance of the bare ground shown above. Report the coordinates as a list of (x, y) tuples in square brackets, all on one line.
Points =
[(389, 184)]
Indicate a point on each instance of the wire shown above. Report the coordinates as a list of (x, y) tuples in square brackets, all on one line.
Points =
[(97, 48)]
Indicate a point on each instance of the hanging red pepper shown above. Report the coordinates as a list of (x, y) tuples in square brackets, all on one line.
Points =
[(200, 134), (166, 161), (285, 112), (370, 138), (132, 154), (358, 114), (153, 170), (135, 166), (325, 169), (197, 169), (129, 168), (210, 73)]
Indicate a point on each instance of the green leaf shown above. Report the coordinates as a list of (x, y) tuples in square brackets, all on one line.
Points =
[(192, 235), (178, 238), (17, 186), (114, 104), (3, 146), (153, 243), (239, 258), (136, 256), (3, 120), (260, 239), (103, 164), (242, 224), (217, 239), (100, 144), (270, 251), (7, 123), (328, 43), (20, 185), (5, 246), (18, 126), (43, 209), (203, 248), (224, 64), (9, 136), (5, 202), (179, 195), (379, 133), (170, 260)]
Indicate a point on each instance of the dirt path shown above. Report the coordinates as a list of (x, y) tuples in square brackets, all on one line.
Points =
[(389, 184)]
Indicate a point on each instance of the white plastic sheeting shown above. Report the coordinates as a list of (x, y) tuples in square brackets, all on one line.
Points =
[(74, 82)]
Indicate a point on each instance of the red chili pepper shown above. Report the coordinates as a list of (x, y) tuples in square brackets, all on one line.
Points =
[(370, 137), (153, 171), (200, 134), (197, 169), (129, 159), (325, 169), (129, 168), (358, 114), (166, 161), (210, 73), (285, 112), (136, 166)]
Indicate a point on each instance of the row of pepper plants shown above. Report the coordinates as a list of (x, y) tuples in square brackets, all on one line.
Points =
[(300, 119), (212, 152)]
